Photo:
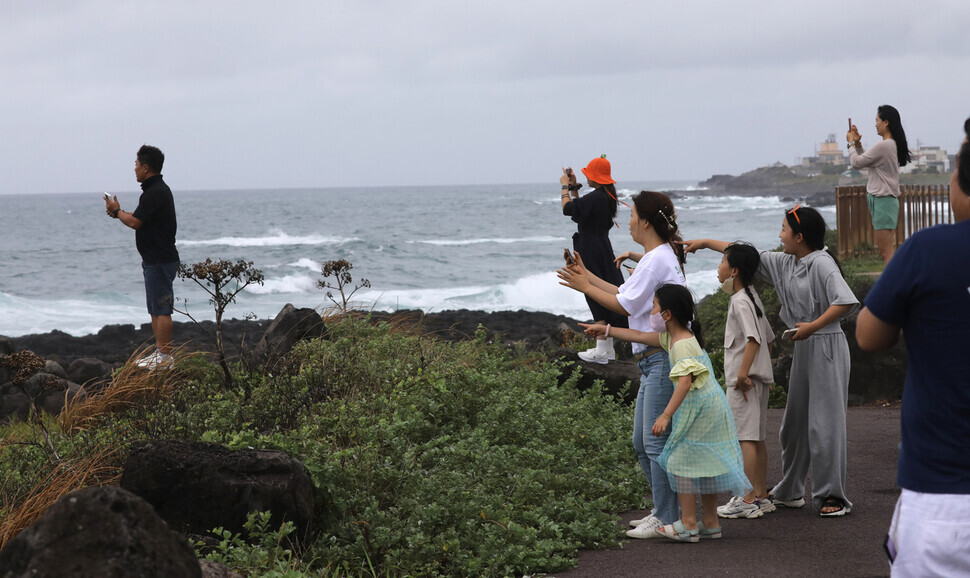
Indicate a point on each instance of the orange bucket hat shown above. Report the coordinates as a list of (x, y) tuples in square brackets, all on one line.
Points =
[(598, 171)]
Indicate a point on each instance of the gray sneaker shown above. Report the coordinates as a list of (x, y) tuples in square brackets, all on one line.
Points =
[(740, 509), (766, 506), (796, 503)]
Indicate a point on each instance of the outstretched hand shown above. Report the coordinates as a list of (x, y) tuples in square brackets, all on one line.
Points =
[(593, 330), (692, 245)]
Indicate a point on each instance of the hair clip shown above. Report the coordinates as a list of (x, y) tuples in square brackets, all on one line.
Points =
[(793, 213), (670, 220)]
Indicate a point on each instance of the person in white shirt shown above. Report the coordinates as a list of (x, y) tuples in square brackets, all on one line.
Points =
[(653, 225)]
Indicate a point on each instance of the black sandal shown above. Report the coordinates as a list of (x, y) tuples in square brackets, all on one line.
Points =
[(832, 502)]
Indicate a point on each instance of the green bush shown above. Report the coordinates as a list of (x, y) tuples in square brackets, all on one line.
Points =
[(429, 458)]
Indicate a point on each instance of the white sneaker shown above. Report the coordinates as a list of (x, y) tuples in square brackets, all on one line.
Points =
[(729, 506), (610, 354), (157, 360), (600, 356), (647, 529), (740, 509), (638, 521), (149, 359)]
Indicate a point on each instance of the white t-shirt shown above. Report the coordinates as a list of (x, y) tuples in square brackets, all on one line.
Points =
[(656, 268)]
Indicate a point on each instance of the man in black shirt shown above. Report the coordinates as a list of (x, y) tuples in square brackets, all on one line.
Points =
[(155, 225)]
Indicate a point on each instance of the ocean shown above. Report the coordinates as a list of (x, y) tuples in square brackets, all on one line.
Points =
[(65, 265)]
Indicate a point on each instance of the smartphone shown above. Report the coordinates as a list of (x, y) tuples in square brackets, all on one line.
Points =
[(788, 333), (569, 172), (107, 197), (850, 123), (568, 256)]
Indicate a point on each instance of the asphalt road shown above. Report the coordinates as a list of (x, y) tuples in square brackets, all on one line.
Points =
[(785, 542)]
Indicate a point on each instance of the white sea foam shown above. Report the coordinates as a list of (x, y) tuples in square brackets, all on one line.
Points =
[(285, 284), (702, 283), (273, 240), (499, 241), (23, 316), (732, 204), (539, 292), (307, 264)]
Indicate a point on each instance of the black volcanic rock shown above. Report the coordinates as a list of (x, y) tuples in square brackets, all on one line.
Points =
[(114, 344), (97, 533), (288, 327), (198, 486)]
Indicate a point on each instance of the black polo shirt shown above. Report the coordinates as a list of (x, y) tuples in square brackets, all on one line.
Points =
[(155, 238)]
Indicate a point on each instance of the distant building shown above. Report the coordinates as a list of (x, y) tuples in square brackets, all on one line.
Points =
[(830, 152), (928, 160)]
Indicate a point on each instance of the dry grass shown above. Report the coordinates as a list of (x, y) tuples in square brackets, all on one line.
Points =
[(97, 466), (132, 385)]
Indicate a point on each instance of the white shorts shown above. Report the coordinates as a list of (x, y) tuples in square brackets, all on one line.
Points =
[(929, 535)]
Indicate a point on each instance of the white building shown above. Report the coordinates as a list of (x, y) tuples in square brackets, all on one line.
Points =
[(933, 159)]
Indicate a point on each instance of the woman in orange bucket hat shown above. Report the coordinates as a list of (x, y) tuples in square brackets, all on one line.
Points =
[(594, 213)]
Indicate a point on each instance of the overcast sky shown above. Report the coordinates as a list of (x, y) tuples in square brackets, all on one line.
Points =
[(257, 94)]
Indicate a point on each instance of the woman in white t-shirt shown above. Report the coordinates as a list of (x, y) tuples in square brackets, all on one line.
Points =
[(653, 225), (883, 160)]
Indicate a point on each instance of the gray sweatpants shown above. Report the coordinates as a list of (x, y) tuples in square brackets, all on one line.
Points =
[(813, 428)]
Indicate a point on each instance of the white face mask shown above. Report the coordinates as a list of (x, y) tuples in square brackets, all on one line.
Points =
[(657, 323), (728, 286)]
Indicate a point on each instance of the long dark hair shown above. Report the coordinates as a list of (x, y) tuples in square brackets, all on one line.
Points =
[(811, 225), (611, 189), (891, 115), (678, 300), (658, 210), (963, 161), (745, 259)]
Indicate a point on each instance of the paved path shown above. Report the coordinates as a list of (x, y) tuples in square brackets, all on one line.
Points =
[(786, 542)]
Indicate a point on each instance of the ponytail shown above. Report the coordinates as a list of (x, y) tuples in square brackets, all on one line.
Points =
[(757, 309)]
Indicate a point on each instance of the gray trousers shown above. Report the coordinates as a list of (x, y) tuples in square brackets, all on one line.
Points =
[(813, 428)]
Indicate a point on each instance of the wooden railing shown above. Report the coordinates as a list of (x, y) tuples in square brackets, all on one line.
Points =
[(919, 206)]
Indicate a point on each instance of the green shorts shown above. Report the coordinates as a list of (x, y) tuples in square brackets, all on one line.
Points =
[(884, 212)]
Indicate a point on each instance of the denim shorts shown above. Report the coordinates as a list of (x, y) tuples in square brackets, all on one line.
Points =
[(158, 287)]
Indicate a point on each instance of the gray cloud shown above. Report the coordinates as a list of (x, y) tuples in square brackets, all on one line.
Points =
[(304, 93)]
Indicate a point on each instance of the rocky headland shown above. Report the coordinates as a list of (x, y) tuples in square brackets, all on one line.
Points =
[(780, 180)]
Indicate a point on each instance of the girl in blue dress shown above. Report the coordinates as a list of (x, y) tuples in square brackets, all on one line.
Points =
[(702, 455)]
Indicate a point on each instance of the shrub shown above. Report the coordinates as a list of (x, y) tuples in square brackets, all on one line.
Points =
[(222, 280), (432, 458)]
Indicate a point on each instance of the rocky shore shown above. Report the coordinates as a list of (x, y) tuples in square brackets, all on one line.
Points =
[(77, 361)]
